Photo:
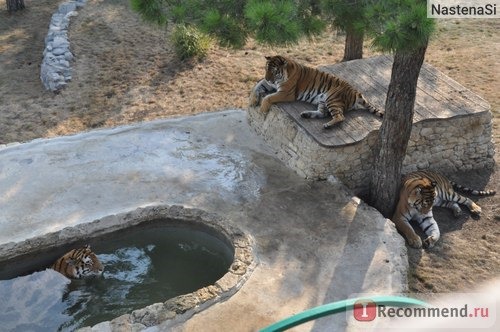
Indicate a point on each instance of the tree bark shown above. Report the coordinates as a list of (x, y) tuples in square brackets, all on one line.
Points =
[(14, 5), (395, 130), (353, 45)]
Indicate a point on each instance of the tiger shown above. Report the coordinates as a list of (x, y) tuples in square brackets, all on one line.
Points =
[(287, 80), (422, 190), (79, 263)]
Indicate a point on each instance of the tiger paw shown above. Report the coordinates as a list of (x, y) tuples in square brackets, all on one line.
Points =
[(415, 242), (305, 115), (430, 242), (264, 107), (474, 208), (264, 110), (334, 121), (254, 101)]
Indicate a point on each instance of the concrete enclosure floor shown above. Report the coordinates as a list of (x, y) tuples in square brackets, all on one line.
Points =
[(315, 243)]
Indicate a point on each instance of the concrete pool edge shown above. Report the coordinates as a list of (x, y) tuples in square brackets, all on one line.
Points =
[(183, 306), (315, 242)]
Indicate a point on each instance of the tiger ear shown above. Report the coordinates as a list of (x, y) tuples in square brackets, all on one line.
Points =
[(268, 58), (433, 184)]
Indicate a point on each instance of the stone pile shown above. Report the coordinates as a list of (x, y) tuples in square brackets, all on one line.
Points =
[(55, 69)]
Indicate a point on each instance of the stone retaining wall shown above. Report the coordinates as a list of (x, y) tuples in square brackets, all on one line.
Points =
[(55, 70), (452, 144)]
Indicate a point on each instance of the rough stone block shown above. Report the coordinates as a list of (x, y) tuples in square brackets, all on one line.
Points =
[(67, 7), (441, 144)]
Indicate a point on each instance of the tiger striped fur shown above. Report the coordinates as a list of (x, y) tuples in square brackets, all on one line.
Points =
[(79, 263), (422, 190), (287, 80)]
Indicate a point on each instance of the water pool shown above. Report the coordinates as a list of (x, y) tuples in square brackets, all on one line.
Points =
[(144, 264)]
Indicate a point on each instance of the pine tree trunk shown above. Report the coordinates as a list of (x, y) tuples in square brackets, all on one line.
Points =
[(395, 130), (13, 5), (353, 45)]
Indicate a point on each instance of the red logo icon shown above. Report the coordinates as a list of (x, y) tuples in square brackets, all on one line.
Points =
[(364, 310)]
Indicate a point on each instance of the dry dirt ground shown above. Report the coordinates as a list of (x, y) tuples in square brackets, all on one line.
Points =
[(125, 71)]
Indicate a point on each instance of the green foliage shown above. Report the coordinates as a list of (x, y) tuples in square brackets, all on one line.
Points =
[(309, 15), (230, 31), (222, 19), (312, 25), (273, 22), (178, 13), (345, 14), (232, 21), (399, 25), (150, 10), (393, 25), (190, 42), (183, 11)]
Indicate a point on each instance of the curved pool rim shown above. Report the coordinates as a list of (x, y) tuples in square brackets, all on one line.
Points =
[(181, 307)]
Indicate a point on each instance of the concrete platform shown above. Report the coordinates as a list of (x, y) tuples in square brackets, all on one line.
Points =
[(315, 243)]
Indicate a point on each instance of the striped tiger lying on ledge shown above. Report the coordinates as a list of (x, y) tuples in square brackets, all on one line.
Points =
[(287, 80)]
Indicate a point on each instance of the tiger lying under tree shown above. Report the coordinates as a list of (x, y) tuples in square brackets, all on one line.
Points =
[(79, 263), (420, 191), (287, 80)]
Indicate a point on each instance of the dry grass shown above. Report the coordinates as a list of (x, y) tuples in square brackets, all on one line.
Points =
[(125, 71)]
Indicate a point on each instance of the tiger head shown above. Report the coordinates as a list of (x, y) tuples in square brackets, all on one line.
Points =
[(79, 263), (91, 265), (276, 69), (422, 196)]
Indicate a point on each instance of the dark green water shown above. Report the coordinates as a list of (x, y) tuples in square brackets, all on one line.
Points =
[(142, 266)]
